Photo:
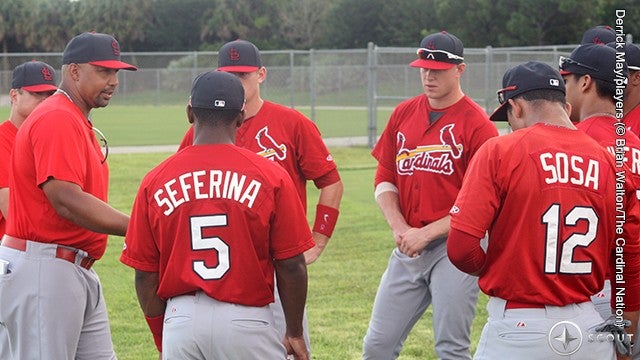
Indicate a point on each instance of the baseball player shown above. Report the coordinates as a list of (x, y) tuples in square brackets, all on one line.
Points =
[(590, 75), (31, 83), (288, 138), (422, 156), (546, 194), (568, 187), (206, 234), (51, 301)]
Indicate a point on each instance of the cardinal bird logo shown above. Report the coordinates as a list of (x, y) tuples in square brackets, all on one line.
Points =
[(434, 158), (270, 148)]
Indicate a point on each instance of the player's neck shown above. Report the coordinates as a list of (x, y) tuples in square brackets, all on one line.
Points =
[(16, 119), (75, 99), (252, 107), (631, 101), (447, 100), (597, 108)]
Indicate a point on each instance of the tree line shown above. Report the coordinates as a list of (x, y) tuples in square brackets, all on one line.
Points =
[(187, 25)]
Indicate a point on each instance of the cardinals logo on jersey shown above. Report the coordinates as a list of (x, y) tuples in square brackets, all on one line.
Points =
[(435, 158), (270, 148)]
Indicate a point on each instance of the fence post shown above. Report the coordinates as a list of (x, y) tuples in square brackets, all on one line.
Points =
[(312, 83), (372, 129), (292, 82), (488, 77)]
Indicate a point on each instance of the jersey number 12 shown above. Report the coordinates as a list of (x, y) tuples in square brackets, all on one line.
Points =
[(552, 219)]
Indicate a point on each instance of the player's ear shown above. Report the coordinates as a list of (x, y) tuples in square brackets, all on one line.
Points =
[(190, 114), (239, 119), (568, 108)]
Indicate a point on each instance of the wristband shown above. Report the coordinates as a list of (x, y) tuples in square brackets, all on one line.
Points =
[(326, 218), (156, 324)]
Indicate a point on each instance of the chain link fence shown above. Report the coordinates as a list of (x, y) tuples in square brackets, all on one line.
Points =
[(373, 79)]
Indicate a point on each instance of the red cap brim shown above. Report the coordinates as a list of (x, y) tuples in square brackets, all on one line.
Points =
[(565, 72), (114, 64), (40, 88), (239, 69), (431, 64)]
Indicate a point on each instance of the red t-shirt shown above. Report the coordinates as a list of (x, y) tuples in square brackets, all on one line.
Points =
[(215, 223), (547, 196), (7, 138), (632, 120), (429, 161), (55, 141), (286, 136)]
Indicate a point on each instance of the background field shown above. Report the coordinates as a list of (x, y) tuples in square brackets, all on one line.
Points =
[(342, 283)]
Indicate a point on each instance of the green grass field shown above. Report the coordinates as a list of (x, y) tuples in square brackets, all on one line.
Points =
[(342, 283)]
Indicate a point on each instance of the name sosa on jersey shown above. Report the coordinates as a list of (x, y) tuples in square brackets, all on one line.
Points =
[(206, 184), (564, 168)]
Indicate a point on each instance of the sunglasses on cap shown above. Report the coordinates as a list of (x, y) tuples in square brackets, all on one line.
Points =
[(563, 61), (501, 98), (428, 54)]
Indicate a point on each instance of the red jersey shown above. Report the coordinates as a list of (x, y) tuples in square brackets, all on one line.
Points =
[(215, 223), (547, 196), (632, 120), (7, 138), (55, 141), (286, 136), (602, 130), (429, 160)]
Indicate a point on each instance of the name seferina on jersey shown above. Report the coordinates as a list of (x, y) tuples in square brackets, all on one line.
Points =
[(206, 184)]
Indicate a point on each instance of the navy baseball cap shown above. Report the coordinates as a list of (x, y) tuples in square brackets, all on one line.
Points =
[(217, 90), (601, 34), (532, 75), (239, 56), (439, 51), (96, 49), (598, 61), (34, 76), (631, 54)]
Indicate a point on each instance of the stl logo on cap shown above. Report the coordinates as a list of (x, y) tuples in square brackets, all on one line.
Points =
[(431, 45), (115, 47), (234, 54), (46, 74)]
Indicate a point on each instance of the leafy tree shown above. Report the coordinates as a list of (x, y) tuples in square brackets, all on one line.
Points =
[(605, 14), (355, 23), (49, 25), (302, 22), (253, 20), (407, 24), (173, 25), (125, 19)]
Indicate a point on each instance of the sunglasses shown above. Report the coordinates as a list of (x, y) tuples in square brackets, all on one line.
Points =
[(103, 144), (563, 61), (501, 97), (437, 55)]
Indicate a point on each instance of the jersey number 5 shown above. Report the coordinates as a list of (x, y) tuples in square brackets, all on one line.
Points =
[(551, 219), (210, 243)]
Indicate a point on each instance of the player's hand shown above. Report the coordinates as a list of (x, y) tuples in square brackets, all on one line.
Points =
[(313, 254), (413, 241), (296, 347)]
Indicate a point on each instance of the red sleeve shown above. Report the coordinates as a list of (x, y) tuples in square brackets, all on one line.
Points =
[(384, 175), (140, 250), (479, 198), (187, 140), (327, 179), (314, 158), (465, 252)]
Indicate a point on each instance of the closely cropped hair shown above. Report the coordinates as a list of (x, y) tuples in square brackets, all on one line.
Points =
[(213, 117), (544, 94), (603, 88)]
